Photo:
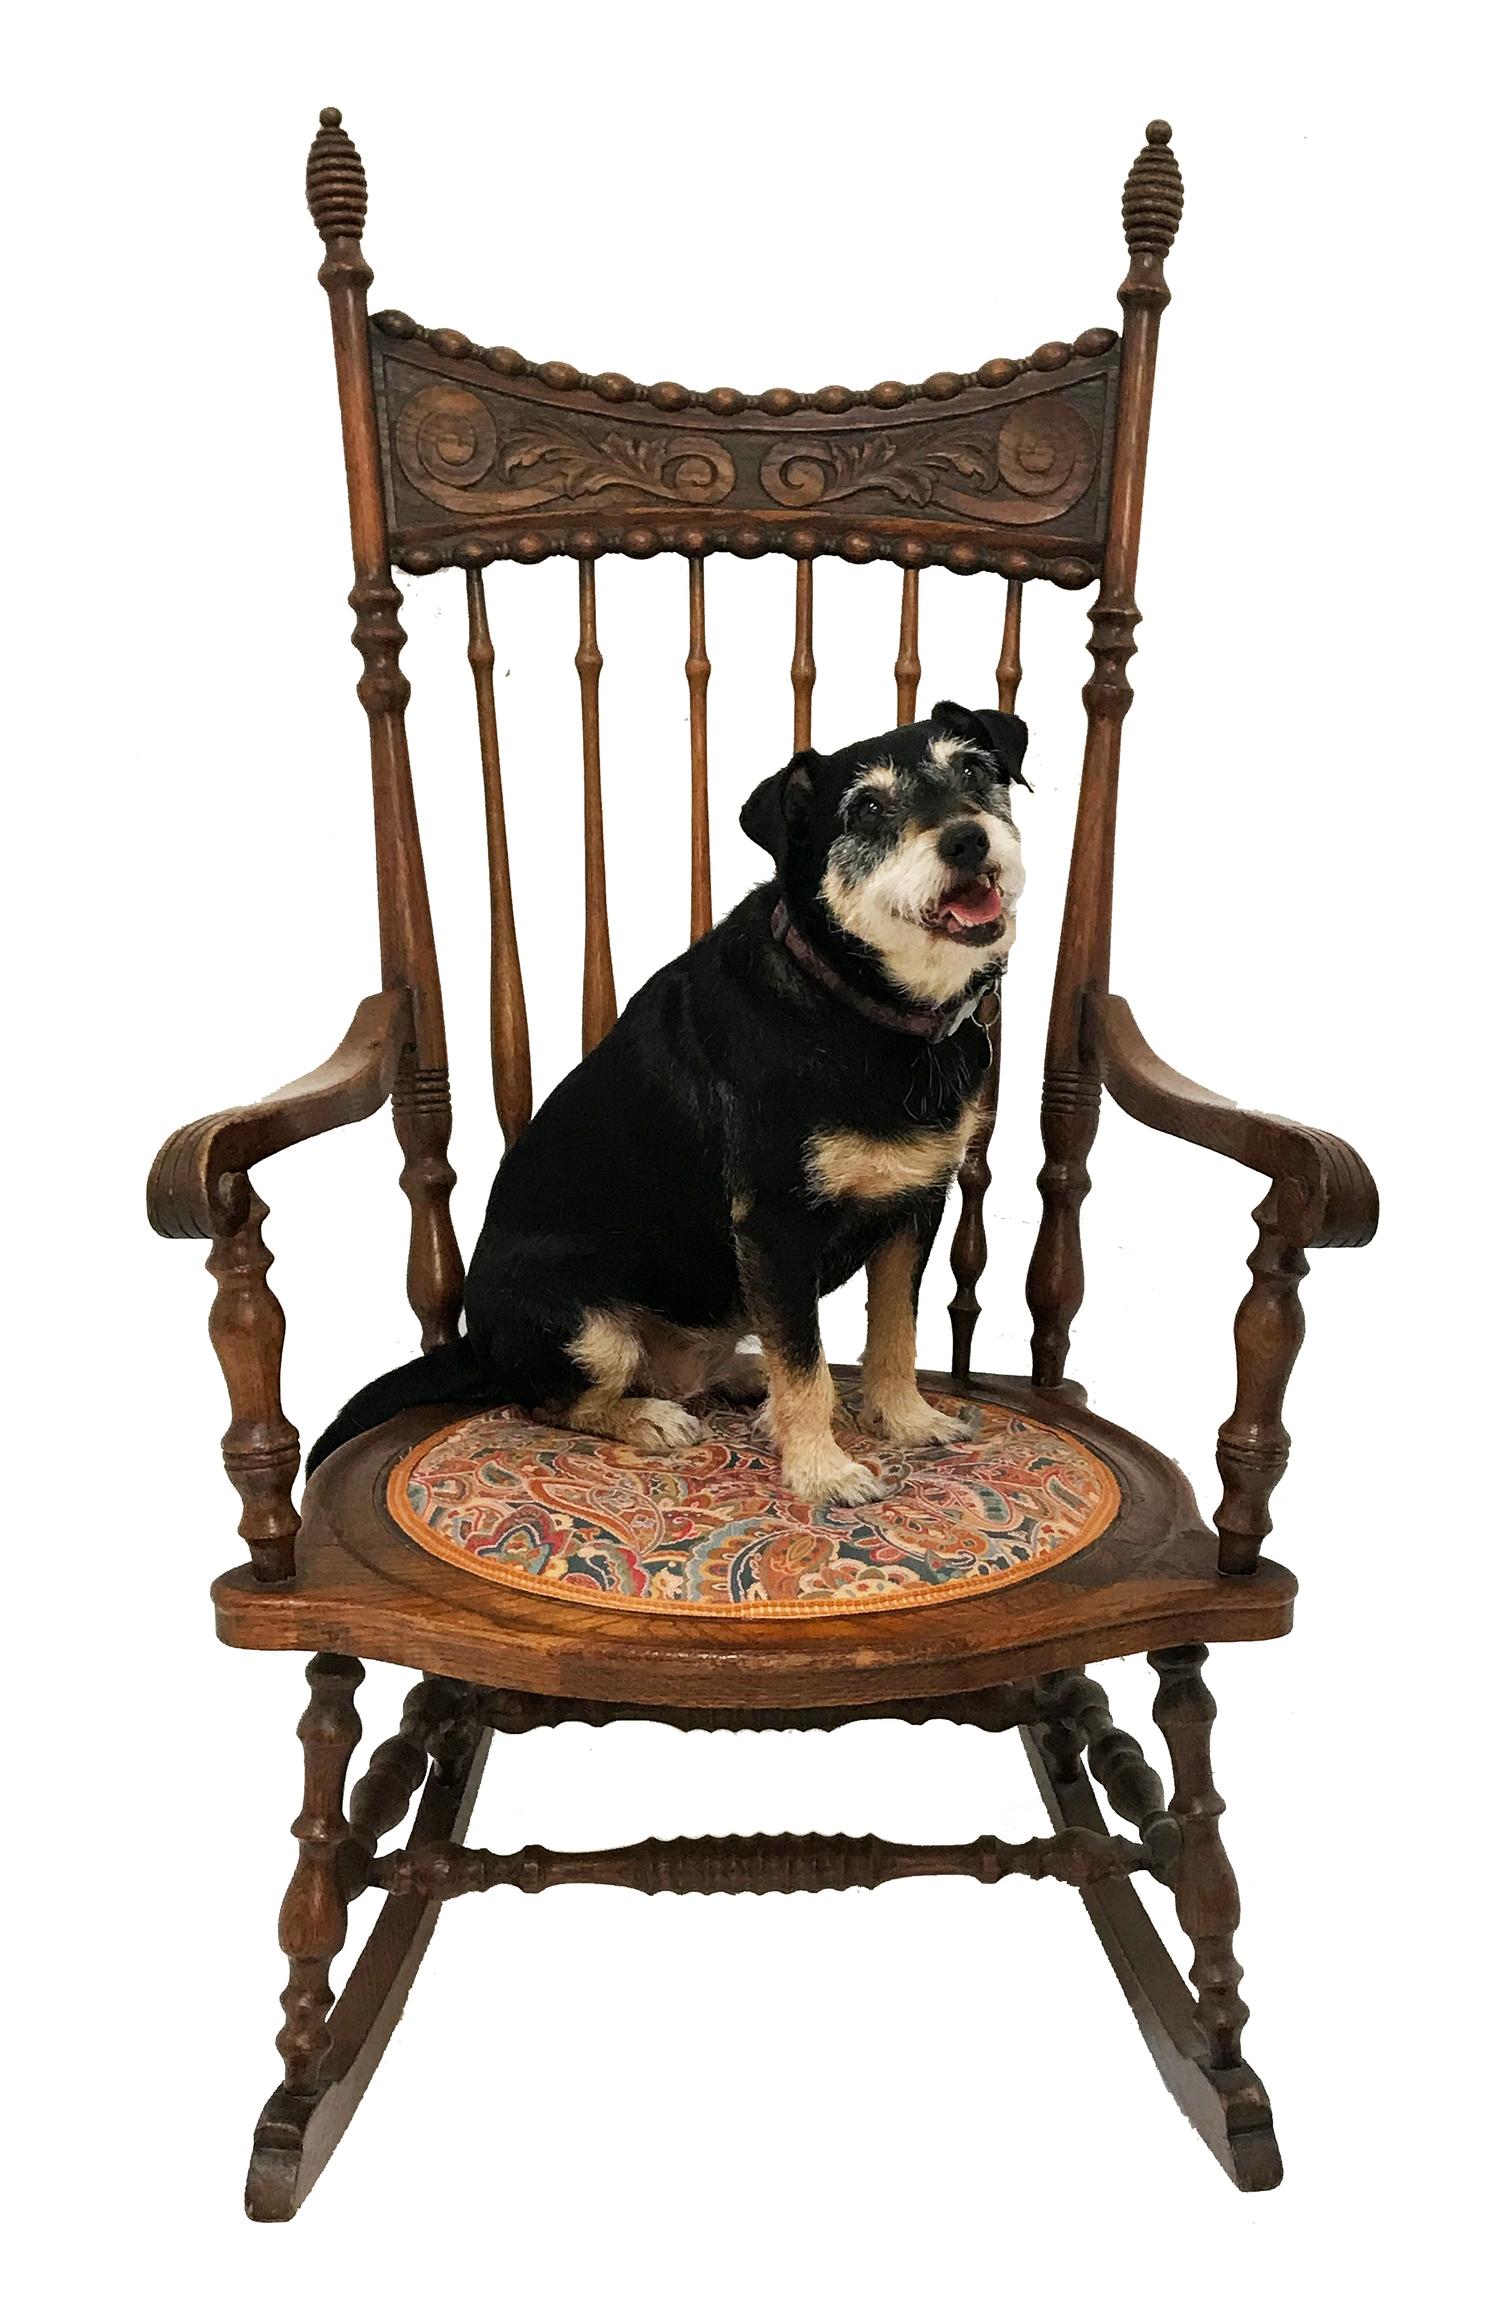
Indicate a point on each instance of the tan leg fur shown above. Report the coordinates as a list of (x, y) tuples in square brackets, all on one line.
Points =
[(891, 1403), (608, 1347), (800, 1420)]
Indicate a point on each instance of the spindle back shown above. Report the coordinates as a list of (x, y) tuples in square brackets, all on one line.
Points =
[(460, 454)]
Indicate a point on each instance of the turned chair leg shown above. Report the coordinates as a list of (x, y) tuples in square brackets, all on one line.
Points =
[(315, 1911), (1192, 2030), (1059, 1734), (1208, 1898), (330, 2054)]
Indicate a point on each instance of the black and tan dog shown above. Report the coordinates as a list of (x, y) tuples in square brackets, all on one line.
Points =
[(783, 1103)]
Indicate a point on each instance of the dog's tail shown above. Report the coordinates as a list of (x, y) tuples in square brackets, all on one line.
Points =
[(452, 1371)]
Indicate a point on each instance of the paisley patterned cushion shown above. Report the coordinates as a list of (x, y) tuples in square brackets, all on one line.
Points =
[(708, 1529)]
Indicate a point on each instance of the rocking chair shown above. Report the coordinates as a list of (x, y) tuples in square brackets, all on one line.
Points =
[(1029, 469)]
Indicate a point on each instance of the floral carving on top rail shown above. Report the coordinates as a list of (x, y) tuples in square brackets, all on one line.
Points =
[(447, 441), (483, 458), (728, 401), (1038, 463)]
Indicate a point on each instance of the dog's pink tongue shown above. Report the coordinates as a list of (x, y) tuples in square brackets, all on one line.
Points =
[(975, 904)]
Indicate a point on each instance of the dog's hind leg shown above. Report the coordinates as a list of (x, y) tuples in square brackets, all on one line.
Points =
[(742, 1380), (732, 1374), (608, 1350)]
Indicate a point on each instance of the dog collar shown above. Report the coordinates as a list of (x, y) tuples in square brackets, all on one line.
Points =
[(930, 1023)]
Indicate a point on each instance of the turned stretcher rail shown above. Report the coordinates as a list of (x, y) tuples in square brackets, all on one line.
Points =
[(756, 1864)]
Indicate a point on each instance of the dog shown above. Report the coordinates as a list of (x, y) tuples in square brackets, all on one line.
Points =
[(786, 1102)]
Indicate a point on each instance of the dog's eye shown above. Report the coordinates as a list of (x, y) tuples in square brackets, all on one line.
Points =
[(866, 812)]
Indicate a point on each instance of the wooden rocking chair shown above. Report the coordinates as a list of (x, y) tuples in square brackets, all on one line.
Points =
[(1028, 469)]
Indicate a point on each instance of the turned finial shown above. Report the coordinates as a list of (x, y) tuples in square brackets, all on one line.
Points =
[(1152, 204), (335, 180)]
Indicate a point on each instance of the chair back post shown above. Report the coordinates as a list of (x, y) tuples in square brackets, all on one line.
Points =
[(336, 195), (1152, 210)]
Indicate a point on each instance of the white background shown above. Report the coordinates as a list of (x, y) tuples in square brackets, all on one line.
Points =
[(933, 2095)]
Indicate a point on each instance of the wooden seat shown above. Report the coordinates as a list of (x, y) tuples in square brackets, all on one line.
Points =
[(1150, 1581), (1022, 470)]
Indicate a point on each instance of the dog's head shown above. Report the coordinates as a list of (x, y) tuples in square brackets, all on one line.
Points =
[(908, 843)]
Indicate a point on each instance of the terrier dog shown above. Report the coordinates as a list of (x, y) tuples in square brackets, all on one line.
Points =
[(787, 1101)]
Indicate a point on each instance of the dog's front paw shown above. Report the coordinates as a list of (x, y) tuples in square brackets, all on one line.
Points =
[(835, 1479), (658, 1425), (912, 1423)]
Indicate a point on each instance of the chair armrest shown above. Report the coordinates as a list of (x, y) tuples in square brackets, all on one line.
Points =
[(1325, 1194), (197, 1187)]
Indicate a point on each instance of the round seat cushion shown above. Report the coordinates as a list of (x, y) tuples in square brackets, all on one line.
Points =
[(709, 1530)]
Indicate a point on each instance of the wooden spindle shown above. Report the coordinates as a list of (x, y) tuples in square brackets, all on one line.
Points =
[(598, 966), (970, 1249), (804, 666), (510, 1040), (421, 1102), (1208, 1899), (698, 668), (1008, 666), (1254, 1443), (247, 1329), (315, 1910), (1070, 1078), (908, 664)]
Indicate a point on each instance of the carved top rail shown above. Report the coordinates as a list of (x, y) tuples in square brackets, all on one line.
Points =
[(488, 456)]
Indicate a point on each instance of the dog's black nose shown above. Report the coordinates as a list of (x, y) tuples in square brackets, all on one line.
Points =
[(963, 845)]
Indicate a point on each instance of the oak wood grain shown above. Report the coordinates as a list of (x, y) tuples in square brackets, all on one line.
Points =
[(804, 666), (598, 962), (421, 1107), (1325, 1195), (698, 668), (1321, 1195), (510, 1035), (1070, 1095), (1149, 1582), (197, 1184)]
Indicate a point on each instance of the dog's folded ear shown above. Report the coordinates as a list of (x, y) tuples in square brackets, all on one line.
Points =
[(1000, 736), (774, 812)]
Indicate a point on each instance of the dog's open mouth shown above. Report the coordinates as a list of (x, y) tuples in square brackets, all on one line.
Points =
[(973, 911)]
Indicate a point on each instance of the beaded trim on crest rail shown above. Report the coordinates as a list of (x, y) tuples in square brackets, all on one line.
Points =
[(489, 456)]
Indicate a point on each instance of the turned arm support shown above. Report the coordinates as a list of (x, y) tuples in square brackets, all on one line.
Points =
[(1324, 1192), (197, 1187), (1321, 1194), (200, 1188)]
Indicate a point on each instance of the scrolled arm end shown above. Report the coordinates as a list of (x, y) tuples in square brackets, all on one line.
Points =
[(1321, 1194), (198, 1186), (1325, 1194), (187, 1194)]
